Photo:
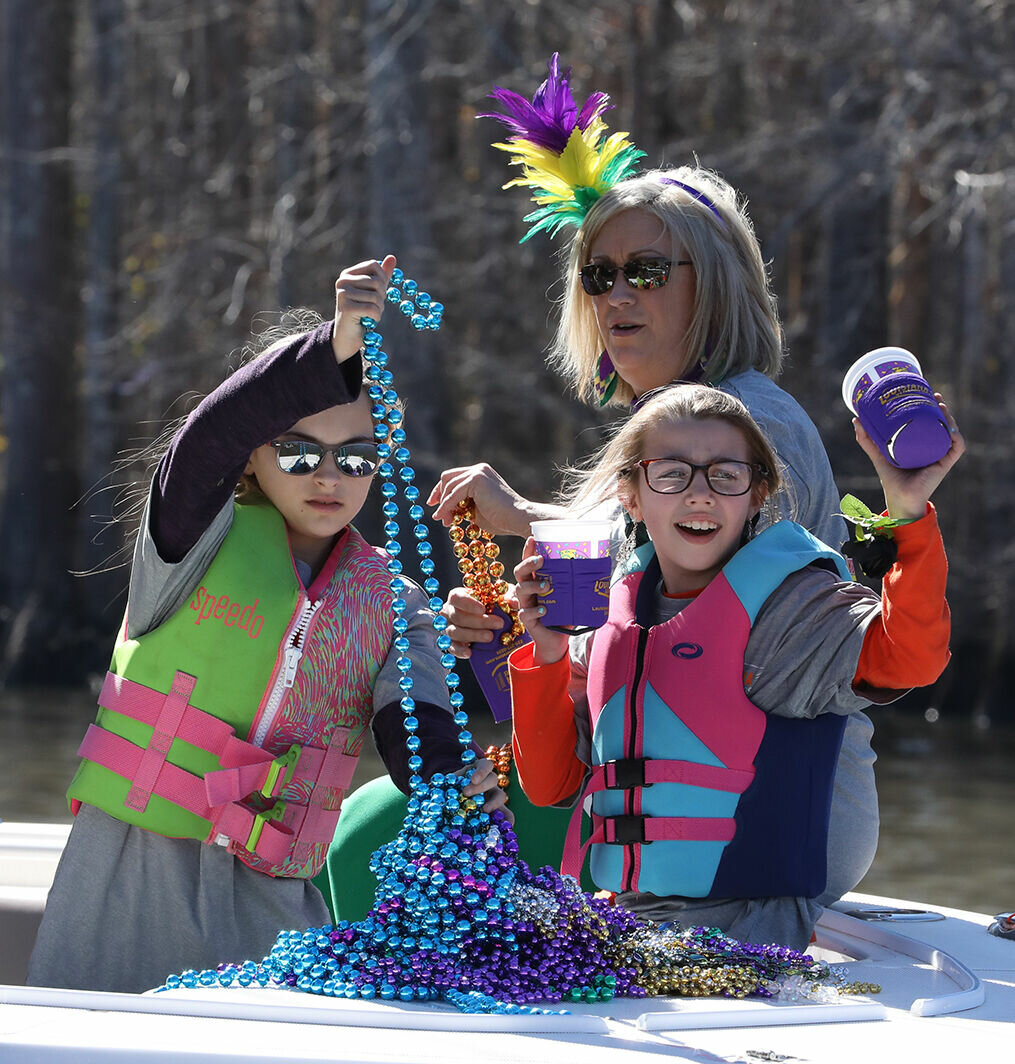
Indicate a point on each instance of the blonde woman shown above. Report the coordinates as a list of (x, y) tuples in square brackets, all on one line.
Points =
[(664, 283)]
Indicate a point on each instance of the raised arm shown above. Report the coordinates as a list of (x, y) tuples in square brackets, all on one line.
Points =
[(907, 644), (306, 374), (498, 507)]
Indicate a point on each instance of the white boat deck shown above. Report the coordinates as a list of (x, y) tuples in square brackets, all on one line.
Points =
[(39, 1026), (949, 966)]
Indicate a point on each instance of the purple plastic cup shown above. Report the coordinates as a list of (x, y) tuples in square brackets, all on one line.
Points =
[(891, 398), (576, 561)]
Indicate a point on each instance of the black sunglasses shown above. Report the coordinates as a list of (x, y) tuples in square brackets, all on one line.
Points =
[(299, 457), (597, 277)]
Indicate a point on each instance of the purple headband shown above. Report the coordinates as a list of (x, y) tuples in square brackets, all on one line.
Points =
[(699, 196)]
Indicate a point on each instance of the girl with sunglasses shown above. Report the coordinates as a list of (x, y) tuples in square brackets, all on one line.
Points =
[(715, 720), (256, 654)]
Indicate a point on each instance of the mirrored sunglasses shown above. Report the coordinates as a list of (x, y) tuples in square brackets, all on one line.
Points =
[(597, 277), (299, 457)]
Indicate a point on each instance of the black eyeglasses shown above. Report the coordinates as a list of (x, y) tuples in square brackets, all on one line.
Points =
[(671, 476), (299, 457), (597, 277)]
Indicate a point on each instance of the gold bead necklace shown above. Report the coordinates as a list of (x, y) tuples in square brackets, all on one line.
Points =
[(482, 573)]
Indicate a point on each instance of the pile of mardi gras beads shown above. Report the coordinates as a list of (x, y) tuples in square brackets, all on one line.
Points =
[(458, 917)]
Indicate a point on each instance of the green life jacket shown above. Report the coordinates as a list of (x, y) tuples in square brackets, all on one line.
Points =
[(240, 718)]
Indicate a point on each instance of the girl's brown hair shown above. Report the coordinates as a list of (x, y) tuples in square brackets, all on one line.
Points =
[(248, 490), (612, 467)]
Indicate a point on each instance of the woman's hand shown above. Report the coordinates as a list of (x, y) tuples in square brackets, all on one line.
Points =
[(907, 491), (484, 781), (468, 622), (497, 507), (359, 293), (548, 646)]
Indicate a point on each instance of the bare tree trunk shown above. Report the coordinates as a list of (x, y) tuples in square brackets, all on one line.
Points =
[(37, 337), (399, 207), (292, 157), (99, 539)]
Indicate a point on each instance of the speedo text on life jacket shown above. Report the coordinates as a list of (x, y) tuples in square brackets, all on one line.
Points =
[(231, 614)]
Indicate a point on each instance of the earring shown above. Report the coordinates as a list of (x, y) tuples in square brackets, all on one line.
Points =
[(750, 528), (604, 384)]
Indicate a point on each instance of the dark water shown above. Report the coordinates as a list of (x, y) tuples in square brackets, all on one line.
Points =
[(947, 794)]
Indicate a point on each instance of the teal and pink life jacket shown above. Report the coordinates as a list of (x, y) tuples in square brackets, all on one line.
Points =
[(240, 718), (695, 791)]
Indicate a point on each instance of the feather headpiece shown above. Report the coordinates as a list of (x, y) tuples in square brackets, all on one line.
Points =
[(565, 155)]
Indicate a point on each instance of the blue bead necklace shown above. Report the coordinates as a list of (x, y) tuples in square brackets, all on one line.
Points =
[(423, 312)]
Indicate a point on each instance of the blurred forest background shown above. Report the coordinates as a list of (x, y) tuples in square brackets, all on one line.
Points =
[(170, 170)]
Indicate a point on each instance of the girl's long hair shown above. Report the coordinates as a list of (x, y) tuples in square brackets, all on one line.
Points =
[(142, 461), (612, 469)]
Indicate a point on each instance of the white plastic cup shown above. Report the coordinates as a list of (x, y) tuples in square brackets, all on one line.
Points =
[(572, 538)]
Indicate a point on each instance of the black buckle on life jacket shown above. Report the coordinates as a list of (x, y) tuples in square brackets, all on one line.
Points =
[(628, 772), (628, 829)]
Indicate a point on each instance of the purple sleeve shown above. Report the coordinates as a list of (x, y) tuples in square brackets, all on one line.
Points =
[(267, 396), (439, 746)]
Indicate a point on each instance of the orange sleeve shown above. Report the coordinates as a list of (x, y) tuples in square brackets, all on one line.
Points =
[(544, 733), (907, 645)]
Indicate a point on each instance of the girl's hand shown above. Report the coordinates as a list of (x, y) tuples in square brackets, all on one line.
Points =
[(469, 623), (907, 491), (498, 507), (484, 781), (548, 646), (359, 293)]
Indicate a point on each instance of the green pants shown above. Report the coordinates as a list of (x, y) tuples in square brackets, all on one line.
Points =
[(372, 815)]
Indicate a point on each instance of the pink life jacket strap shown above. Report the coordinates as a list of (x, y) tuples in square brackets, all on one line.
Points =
[(332, 781), (289, 831), (632, 830), (164, 729), (246, 767), (265, 833), (629, 773), (121, 756), (272, 834)]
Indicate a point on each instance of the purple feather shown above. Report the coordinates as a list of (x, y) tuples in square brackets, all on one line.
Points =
[(552, 115)]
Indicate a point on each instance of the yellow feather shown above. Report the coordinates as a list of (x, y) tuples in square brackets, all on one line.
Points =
[(554, 177)]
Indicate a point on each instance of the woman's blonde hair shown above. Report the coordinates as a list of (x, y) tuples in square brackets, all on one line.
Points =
[(735, 323), (615, 466)]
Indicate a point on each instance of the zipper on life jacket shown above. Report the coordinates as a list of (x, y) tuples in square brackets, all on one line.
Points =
[(287, 674), (632, 746)]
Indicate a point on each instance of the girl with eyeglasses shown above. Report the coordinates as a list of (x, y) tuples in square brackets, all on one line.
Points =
[(716, 718), (256, 654), (664, 282)]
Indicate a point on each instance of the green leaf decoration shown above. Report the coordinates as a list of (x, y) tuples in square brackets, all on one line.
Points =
[(868, 524), (853, 508)]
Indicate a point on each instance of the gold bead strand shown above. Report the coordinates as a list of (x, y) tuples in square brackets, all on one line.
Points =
[(482, 573)]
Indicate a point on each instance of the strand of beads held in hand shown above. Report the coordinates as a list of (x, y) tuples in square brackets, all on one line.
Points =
[(457, 916), (482, 573)]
